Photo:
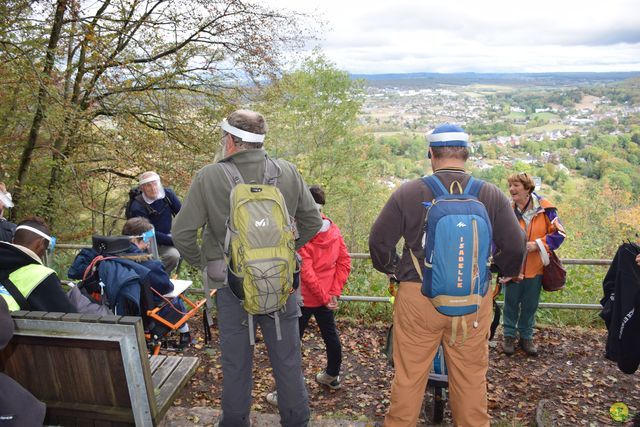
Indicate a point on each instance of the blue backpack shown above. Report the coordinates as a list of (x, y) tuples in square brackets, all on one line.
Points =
[(457, 248)]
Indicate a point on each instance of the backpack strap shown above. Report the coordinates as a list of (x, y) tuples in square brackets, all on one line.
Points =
[(416, 264), (473, 187), (232, 173), (13, 290), (145, 205), (436, 186), (272, 172)]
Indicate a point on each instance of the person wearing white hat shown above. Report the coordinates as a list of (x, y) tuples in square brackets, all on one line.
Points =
[(207, 206), (7, 228), (159, 205)]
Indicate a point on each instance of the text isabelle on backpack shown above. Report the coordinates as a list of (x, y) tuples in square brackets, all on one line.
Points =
[(260, 244), (457, 249)]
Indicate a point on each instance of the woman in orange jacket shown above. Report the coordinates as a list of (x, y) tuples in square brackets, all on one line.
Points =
[(538, 217)]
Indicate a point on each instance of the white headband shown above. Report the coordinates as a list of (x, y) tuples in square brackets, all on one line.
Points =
[(448, 136), (152, 177), (33, 230), (242, 134)]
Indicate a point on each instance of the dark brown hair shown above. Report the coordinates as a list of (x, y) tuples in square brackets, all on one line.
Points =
[(136, 226), (318, 194), (25, 237)]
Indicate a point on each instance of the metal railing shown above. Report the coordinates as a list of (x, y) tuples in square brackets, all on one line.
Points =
[(363, 298)]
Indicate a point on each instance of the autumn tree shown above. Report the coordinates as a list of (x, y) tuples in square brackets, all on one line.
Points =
[(313, 115), (122, 84)]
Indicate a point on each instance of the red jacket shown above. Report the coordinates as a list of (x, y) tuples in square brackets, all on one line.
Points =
[(325, 266)]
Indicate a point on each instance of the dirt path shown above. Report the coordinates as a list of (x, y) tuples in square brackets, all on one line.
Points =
[(570, 371)]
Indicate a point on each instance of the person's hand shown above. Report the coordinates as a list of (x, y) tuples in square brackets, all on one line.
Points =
[(504, 280), (333, 302), (532, 247), (638, 259)]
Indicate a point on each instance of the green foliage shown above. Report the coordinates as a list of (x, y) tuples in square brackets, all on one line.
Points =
[(312, 114)]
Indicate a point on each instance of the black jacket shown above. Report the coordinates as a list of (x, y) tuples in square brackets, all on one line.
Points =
[(621, 305), (7, 230), (18, 407), (48, 295)]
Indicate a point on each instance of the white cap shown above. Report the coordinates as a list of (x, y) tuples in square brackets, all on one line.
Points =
[(5, 199), (148, 177)]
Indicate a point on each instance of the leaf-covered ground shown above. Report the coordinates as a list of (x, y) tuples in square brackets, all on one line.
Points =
[(570, 372)]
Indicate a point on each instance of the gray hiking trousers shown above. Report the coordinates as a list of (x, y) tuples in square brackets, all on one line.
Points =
[(237, 362)]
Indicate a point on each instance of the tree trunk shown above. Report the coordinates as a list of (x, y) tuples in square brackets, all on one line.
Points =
[(34, 132)]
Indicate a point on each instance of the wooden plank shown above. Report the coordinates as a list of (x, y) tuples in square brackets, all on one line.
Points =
[(72, 317), (92, 370), (35, 314), (90, 318), (164, 371), (155, 361), (176, 381), (53, 316), (103, 415), (72, 370), (19, 314), (139, 381), (109, 318)]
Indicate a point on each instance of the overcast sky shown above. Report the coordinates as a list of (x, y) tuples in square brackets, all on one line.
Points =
[(398, 36)]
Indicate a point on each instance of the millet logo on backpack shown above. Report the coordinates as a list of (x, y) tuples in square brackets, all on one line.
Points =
[(264, 222)]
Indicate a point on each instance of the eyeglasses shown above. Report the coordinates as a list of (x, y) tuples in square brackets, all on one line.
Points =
[(523, 174)]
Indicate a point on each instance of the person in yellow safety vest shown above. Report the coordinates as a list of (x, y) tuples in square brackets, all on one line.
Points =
[(25, 283)]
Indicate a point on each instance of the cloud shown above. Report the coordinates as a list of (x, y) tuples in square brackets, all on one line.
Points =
[(489, 35)]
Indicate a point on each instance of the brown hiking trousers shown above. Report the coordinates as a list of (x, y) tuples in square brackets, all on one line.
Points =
[(418, 329)]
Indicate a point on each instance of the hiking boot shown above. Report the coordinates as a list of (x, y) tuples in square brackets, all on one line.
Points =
[(185, 340), (272, 398), (328, 380), (529, 347), (509, 345)]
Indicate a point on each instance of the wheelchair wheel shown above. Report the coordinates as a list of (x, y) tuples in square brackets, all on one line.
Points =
[(435, 400)]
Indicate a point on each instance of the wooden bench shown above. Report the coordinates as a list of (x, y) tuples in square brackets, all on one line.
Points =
[(93, 370)]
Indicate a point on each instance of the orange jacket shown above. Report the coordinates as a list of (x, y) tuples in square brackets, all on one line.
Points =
[(544, 228)]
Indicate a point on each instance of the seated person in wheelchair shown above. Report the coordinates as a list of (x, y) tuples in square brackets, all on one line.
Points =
[(137, 228), (119, 273)]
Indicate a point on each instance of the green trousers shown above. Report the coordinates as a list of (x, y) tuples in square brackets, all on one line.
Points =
[(520, 306)]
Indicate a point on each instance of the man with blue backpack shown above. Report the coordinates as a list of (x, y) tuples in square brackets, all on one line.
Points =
[(454, 227)]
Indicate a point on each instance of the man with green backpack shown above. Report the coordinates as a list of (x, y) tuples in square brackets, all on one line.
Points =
[(256, 211)]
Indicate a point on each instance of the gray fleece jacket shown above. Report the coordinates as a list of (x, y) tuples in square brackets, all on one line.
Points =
[(207, 204)]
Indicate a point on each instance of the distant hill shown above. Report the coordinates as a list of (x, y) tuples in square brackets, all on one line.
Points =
[(414, 80)]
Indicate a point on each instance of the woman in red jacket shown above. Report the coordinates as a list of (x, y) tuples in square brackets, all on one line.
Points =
[(325, 269)]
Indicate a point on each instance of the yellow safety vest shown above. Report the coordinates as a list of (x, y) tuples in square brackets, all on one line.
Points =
[(26, 279)]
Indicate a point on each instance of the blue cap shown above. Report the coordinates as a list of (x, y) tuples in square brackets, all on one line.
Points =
[(448, 135)]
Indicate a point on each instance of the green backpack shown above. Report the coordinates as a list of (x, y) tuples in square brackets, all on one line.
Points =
[(259, 245)]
